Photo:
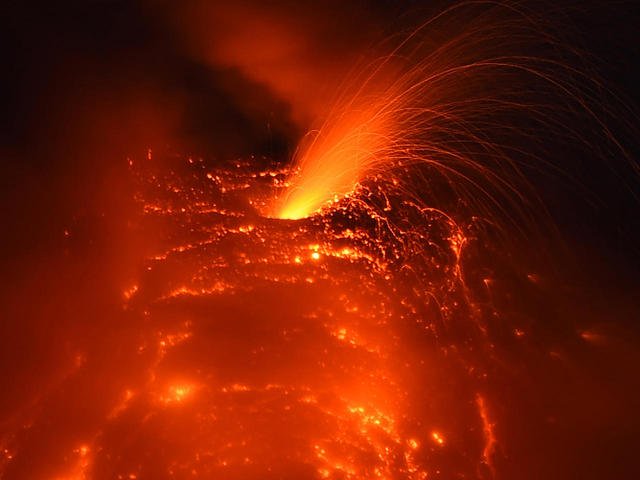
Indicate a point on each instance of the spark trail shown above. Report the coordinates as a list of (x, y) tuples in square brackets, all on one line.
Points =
[(455, 110)]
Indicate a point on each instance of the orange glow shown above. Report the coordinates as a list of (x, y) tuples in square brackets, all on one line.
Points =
[(437, 437), (343, 381), (488, 429), (130, 292), (344, 314), (335, 160), (83, 450), (177, 394)]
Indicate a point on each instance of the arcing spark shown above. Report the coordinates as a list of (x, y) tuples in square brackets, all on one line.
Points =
[(467, 101)]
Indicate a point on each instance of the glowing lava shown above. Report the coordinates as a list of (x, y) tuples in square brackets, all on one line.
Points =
[(343, 345), (334, 159), (271, 349)]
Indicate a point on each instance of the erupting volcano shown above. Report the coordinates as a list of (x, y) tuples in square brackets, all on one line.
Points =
[(302, 349), (365, 309)]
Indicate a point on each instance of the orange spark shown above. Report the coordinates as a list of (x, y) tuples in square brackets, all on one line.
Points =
[(488, 429), (438, 438)]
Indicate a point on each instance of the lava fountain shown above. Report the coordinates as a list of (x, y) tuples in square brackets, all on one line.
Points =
[(461, 105)]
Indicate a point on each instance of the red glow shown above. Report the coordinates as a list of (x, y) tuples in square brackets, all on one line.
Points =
[(348, 312)]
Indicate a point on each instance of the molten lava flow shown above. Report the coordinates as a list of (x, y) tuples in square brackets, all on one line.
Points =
[(254, 347), (308, 350)]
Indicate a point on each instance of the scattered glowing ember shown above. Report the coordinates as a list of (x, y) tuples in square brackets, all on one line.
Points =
[(335, 366), (437, 438), (340, 384)]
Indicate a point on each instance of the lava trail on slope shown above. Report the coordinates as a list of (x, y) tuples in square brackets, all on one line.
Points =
[(341, 346)]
